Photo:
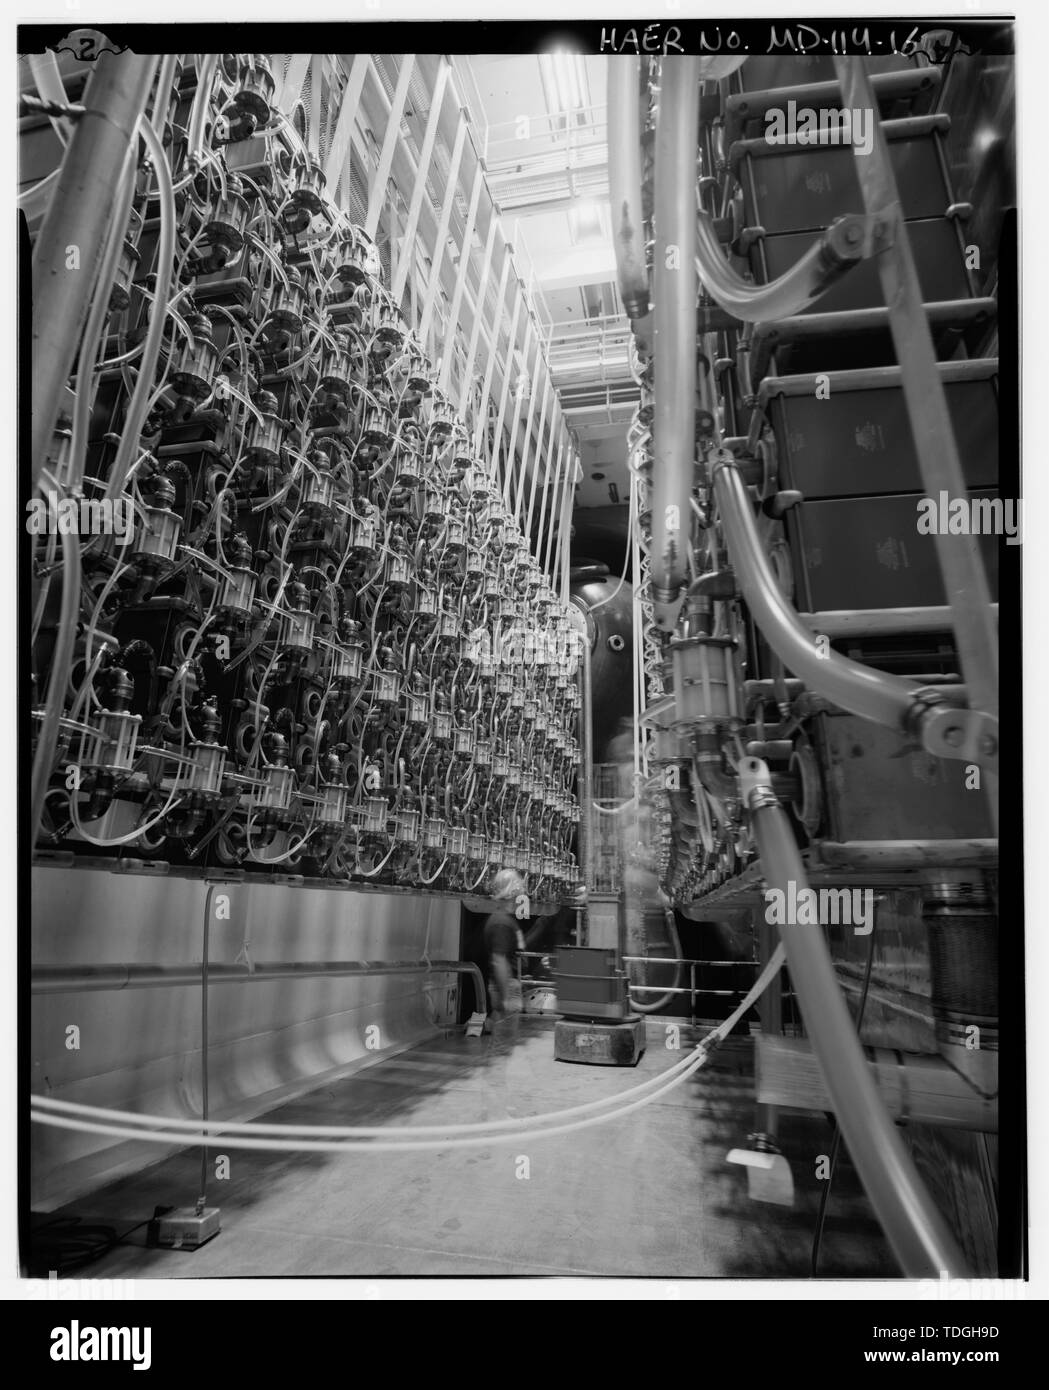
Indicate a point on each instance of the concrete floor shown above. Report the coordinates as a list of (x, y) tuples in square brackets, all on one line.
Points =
[(648, 1195)]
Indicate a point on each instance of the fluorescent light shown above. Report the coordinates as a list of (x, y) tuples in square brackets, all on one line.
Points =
[(585, 222), (564, 76)]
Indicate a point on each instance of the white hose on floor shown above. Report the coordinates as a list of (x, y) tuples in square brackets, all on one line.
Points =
[(69, 1115)]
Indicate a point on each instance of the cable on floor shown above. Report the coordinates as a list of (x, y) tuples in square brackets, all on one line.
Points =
[(68, 1115)]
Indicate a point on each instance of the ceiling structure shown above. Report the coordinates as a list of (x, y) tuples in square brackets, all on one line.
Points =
[(541, 124)]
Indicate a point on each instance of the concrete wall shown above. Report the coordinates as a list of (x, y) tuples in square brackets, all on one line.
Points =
[(140, 1049)]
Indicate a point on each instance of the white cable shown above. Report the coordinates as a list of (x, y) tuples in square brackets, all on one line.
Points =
[(631, 515), (375, 1146), (52, 1105), (49, 1111)]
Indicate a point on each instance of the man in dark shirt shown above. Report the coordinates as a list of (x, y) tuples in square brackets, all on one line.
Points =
[(501, 937)]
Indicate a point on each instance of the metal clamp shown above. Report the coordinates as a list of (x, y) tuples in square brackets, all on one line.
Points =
[(755, 784), (858, 236), (967, 734)]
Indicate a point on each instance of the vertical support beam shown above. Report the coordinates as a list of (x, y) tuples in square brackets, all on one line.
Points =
[(562, 551), (551, 494), (419, 191), (540, 460), (508, 372), (493, 348), (79, 214), (770, 1012), (348, 104), (565, 536), (460, 280), (511, 454), (377, 193), (437, 255), (532, 397), (479, 303), (543, 552)]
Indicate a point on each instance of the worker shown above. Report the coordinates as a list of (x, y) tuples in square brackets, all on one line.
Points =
[(502, 939)]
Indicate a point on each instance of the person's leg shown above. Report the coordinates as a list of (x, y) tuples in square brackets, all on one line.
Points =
[(499, 982)]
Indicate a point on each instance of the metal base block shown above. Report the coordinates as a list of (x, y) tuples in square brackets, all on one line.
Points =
[(600, 1044), (185, 1228)]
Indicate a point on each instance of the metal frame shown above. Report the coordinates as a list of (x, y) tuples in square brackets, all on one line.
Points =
[(403, 169), (964, 577), (381, 178)]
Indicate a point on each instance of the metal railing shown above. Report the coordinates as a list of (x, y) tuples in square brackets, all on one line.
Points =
[(543, 133), (693, 990)]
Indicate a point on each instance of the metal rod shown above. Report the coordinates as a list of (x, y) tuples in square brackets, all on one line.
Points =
[(683, 960), (73, 236), (770, 1012), (880, 622), (904, 854), (693, 990), (914, 1227), (77, 979), (961, 565)]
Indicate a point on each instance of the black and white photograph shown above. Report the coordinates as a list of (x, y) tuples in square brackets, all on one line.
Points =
[(519, 661)]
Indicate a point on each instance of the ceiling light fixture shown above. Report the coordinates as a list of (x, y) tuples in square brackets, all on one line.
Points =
[(564, 77), (585, 221)]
